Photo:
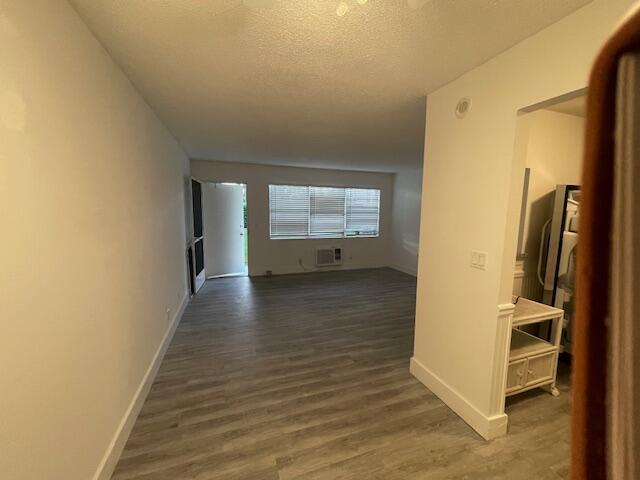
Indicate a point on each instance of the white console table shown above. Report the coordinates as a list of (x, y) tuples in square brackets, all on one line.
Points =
[(533, 362)]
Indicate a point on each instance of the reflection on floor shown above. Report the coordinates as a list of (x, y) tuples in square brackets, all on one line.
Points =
[(243, 273), (307, 377)]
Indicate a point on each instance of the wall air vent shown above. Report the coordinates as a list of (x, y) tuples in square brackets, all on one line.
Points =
[(463, 107), (327, 256)]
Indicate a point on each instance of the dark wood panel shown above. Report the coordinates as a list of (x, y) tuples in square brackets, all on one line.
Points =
[(196, 196), (199, 249)]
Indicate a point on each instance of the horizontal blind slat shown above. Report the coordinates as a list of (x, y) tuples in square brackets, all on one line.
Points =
[(323, 212), (289, 211), (326, 211), (362, 212)]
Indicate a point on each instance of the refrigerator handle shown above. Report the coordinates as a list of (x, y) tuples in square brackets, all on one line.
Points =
[(543, 238)]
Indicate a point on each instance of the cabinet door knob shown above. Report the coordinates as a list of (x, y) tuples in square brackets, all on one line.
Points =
[(530, 372)]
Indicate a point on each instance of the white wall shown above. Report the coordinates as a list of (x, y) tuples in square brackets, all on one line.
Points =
[(92, 245), (281, 256), (555, 147), (466, 204), (407, 192), (223, 218)]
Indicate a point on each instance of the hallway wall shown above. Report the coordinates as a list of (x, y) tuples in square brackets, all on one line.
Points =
[(93, 243)]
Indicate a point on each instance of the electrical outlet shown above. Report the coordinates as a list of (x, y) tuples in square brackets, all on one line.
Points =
[(479, 259)]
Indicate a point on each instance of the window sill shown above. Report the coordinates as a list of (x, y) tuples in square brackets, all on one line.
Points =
[(351, 237)]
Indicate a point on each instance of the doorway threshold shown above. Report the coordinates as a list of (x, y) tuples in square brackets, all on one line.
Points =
[(229, 275)]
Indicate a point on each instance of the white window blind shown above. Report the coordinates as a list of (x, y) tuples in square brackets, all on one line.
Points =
[(362, 215), (323, 212), (289, 211), (326, 212)]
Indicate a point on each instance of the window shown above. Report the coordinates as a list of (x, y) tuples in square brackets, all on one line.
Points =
[(323, 212)]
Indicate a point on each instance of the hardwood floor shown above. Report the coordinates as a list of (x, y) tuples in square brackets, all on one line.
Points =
[(307, 377)]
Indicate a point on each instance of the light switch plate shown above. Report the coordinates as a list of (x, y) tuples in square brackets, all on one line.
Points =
[(479, 259)]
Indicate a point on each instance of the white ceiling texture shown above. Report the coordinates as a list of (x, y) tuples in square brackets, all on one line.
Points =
[(324, 83)]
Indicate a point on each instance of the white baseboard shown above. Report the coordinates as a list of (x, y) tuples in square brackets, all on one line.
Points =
[(487, 427), (261, 272), (112, 455), (413, 271)]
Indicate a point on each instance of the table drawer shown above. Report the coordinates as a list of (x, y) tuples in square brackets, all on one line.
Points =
[(516, 375), (540, 368)]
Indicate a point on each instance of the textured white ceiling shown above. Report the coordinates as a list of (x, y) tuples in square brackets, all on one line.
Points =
[(296, 84)]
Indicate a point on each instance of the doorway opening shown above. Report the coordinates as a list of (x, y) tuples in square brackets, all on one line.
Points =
[(548, 165), (550, 209), (226, 245)]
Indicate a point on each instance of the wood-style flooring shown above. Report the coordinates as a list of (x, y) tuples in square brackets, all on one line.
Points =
[(307, 377)]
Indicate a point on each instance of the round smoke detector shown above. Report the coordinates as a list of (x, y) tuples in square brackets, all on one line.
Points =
[(463, 107)]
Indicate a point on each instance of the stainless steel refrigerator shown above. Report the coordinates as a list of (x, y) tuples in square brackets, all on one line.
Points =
[(558, 253)]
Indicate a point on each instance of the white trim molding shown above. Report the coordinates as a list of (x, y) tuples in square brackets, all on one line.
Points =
[(110, 460), (488, 427), (501, 357)]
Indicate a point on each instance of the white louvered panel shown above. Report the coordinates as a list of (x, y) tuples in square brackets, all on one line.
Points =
[(362, 212), (289, 211), (323, 212), (326, 212)]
